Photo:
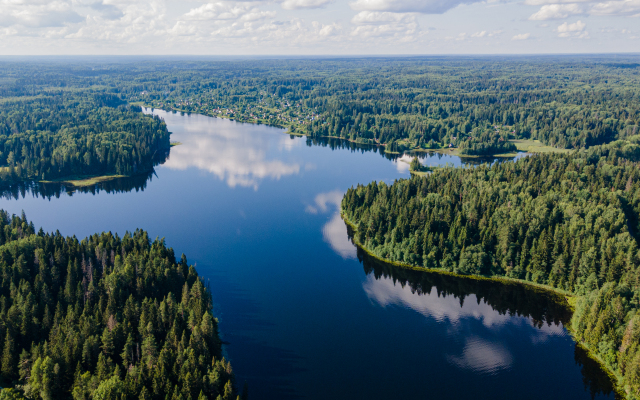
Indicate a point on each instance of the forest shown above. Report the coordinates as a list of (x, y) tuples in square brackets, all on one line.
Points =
[(416, 103), (476, 104), (105, 317), (111, 317), (568, 221), (63, 135)]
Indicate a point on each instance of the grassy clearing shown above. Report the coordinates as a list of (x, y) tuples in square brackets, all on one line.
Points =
[(454, 151), (534, 146), (83, 181), (420, 173)]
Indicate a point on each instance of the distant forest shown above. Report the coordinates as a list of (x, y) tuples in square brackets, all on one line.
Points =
[(60, 134), (104, 318), (477, 104)]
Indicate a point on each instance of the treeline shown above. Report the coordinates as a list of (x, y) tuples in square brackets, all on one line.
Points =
[(408, 103), (568, 221), (485, 144), (67, 134), (48, 190), (565, 102), (104, 318)]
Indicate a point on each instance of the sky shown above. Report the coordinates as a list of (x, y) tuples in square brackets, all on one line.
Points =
[(317, 27)]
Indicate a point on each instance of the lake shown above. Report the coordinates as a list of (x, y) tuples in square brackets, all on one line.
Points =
[(303, 312)]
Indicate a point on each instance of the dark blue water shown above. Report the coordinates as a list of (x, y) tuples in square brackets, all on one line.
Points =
[(304, 313)]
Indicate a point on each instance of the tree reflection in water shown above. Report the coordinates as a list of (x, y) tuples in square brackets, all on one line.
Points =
[(547, 311)]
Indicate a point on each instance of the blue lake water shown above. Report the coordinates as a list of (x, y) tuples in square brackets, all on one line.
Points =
[(304, 313)]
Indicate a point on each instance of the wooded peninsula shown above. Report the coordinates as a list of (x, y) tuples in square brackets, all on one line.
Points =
[(113, 317), (104, 318)]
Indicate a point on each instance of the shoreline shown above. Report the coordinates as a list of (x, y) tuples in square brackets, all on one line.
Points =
[(569, 299), (526, 144)]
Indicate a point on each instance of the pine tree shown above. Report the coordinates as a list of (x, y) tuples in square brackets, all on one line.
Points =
[(8, 358)]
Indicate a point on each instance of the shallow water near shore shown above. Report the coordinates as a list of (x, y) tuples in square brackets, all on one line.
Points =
[(304, 313)]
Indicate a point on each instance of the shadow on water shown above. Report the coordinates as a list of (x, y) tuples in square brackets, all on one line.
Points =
[(343, 144), (513, 299), (49, 190)]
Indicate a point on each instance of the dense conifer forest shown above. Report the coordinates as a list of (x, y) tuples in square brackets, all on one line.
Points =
[(63, 135), (569, 221), (110, 317), (477, 104), (411, 103), (104, 318)]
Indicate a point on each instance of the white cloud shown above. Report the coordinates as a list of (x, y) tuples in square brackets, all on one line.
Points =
[(379, 18), (557, 11), (575, 27), (617, 8), (292, 27), (521, 36), (560, 9), (8, 32), (107, 11), (38, 15), (329, 29), (543, 2), (396, 26), (141, 21), (299, 4), (573, 30), (420, 6), (227, 11)]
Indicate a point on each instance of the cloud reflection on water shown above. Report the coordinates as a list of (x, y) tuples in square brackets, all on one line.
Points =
[(386, 292), (482, 356), (403, 163), (334, 232), (236, 157), (230, 159)]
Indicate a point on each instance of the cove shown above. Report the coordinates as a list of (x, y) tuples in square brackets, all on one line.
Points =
[(304, 313)]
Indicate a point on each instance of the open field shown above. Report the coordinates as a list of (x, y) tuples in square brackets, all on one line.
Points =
[(535, 146)]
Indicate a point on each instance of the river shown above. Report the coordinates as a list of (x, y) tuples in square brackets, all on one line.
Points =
[(303, 312)]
